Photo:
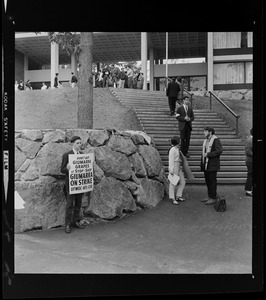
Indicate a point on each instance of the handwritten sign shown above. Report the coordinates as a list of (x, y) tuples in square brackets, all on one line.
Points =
[(81, 173)]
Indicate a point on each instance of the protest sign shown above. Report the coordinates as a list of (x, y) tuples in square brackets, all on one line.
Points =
[(81, 173)]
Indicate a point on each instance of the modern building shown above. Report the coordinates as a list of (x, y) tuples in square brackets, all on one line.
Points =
[(226, 58)]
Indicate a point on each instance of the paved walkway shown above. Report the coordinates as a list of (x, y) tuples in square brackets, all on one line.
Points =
[(187, 238)]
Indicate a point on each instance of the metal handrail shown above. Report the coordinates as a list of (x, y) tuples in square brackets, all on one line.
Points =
[(227, 107)]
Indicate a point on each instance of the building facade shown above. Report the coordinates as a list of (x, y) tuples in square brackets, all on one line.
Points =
[(226, 64)]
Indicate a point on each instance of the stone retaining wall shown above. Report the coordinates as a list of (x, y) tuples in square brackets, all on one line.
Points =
[(128, 175), (228, 95)]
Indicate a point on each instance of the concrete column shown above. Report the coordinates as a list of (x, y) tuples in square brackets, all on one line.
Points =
[(54, 62), (26, 68), (73, 64), (151, 56), (144, 58), (210, 62)]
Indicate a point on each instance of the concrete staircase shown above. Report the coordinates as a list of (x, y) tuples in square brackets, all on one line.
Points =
[(152, 110)]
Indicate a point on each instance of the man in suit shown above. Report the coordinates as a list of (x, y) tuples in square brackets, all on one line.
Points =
[(71, 198), (172, 93), (210, 163), (185, 116)]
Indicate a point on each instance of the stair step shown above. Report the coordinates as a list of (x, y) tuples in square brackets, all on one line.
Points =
[(199, 141), (198, 152), (196, 129), (199, 147), (152, 110), (198, 157), (193, 136)]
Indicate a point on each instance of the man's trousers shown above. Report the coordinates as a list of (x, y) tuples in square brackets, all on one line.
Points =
[(73, 208), (211, 182)]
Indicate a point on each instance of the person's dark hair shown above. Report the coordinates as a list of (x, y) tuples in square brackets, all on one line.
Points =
[(173, 79), (210, 129), (179, 79), (251, 131), (175, 140), (74, 138), (56, 74)]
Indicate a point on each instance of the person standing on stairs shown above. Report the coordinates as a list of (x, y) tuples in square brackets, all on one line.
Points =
[(249, 159), (185, 116), (172, 93), (210, 163)]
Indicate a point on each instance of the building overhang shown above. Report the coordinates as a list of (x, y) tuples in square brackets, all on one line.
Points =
[(117, 46)]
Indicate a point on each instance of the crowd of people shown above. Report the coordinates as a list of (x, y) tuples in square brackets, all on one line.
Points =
[(119, 77)]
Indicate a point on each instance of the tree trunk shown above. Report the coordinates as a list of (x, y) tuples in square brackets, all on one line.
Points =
[(85, 82)]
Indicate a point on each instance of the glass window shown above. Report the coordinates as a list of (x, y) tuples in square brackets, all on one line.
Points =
[(197, 83), (249, 72), (222, 40), (228, 73)]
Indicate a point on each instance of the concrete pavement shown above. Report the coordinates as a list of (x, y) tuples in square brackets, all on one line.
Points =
[(190, 238)]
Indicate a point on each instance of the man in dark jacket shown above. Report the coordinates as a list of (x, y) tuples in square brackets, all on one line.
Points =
[(73, 80), (172, 93), (56, 82), (71, 198), (185, 116), (210, 163)]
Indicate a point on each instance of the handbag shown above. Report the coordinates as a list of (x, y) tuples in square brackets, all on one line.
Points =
[(220, 204)]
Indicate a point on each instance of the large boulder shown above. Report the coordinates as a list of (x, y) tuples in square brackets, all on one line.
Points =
[(225, 95), (20, 158), (31, 173), (123, 163), (249, 95), (56, 136), (237, 95), (138, 165), (29, 148), (151, 159), (44, 204), (113, 163), (49, 159), (122, 144), (150, 193), (109, 199), (97, 137), (32, 134)]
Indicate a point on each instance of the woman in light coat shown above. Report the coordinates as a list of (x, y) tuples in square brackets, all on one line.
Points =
[(175, 167)]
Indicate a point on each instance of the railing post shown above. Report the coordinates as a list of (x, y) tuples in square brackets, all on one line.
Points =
[(210, 101), (237, 126)]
